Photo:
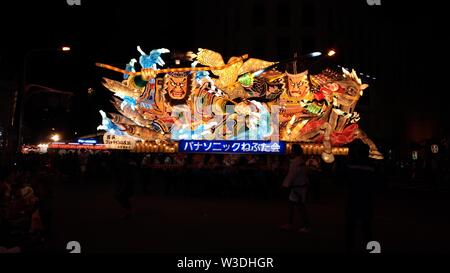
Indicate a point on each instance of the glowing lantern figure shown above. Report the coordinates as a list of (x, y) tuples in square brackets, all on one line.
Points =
[(434, 149)]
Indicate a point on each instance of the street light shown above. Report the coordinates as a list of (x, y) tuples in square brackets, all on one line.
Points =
[(25, 87), (331, 53), (313, 54), (55, 138)]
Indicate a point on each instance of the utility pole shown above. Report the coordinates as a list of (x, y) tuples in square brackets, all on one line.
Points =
[(294, 64)]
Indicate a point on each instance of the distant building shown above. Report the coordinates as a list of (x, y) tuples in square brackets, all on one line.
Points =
[(46, 111)]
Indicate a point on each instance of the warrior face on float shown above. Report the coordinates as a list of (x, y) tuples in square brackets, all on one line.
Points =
[(177, 87), (297, 85)]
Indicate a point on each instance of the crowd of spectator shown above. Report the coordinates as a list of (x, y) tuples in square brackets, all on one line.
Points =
[(26, 187)]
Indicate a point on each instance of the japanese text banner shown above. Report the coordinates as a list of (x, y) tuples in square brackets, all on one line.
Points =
[(230, 146)]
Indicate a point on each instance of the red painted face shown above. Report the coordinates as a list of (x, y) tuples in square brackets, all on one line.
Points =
[(176, 85), (298, 85)]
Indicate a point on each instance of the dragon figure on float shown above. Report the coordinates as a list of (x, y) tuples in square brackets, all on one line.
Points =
[(245, 98)]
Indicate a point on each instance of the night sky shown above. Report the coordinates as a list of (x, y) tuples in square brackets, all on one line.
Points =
[(412, 56)]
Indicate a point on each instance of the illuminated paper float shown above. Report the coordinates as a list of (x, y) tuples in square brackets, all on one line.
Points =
[(239, 100)]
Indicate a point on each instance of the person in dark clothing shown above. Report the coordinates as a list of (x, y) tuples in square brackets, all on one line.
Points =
[(314, 169), (359, 179), (297, 182), (125, 167)]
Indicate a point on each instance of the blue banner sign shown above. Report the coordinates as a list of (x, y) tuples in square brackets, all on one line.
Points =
[(232, 146), (87, 141)]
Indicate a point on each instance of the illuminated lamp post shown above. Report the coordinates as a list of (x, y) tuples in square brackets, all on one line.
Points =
[(55, 138), (331, 53), (25, 87)]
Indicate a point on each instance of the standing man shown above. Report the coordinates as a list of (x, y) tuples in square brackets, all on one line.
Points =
[(297, 182), (359, 178)]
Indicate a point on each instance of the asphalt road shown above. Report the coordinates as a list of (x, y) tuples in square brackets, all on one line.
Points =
[(405, 221)]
